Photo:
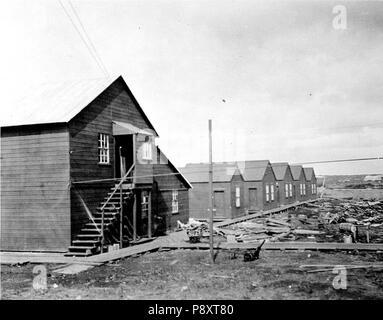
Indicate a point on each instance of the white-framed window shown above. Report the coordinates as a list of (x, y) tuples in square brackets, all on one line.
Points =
[(314, 188), (147, 149), (175, 201), (304, 189), (286, 190), (301, 189), (267, 193), (103, 148), (272, 192), (237, 197), (291, 190)]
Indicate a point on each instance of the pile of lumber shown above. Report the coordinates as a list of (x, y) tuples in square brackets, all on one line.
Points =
[(269, 229), (330, 220)]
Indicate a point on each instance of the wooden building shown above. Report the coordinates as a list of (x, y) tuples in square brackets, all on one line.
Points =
[(285, 182), (311, 183), (299, 186), (239, 188), (80, 167)]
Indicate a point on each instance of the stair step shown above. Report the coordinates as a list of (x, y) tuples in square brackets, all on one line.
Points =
[(77, 254), (89, 235), (117, 193), (91, 224), (109, 216), (91, 242), (76, 248), (125, 186), (105, 219), (90, 230), (109, 208)]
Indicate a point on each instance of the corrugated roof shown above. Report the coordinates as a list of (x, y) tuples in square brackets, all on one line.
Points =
[(280, 170), (199, 172), (309, 173), (224, 171), (253, 170), (163, 159), (53, 103), (296, 171), (58, 102)]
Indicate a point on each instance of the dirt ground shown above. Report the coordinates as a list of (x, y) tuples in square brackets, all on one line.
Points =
[(188, 274)]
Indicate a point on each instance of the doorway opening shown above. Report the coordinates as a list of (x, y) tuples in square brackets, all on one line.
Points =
[(124, 154)]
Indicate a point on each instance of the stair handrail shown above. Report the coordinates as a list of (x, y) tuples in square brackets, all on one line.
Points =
[(107, 201), (118, 186)]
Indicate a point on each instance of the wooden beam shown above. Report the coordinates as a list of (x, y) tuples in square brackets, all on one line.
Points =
[(150, 214), (263, 213), (323, 246), (134, 216), (121, 218)]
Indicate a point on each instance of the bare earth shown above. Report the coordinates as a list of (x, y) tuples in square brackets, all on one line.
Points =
[(188, 274)]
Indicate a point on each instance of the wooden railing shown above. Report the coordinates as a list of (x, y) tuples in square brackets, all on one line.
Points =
[(118, 187)]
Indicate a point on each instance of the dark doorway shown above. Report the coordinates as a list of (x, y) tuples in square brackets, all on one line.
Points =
[(123, 154), (253, 198), (219, 204)]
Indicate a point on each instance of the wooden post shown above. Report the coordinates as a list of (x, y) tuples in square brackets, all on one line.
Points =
[(121, 218), (150, 214), (102, 231), (211, 192), (133, 180), (134, 216)]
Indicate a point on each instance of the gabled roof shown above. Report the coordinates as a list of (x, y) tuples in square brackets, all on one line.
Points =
[(59, 102), (280, 169), (163, 159), (296, 171), (309, 173), (224, 171), (253, 170), (199, 172)]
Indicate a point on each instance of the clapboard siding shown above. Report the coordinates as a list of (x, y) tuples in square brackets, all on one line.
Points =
[(166, 181), (35, 188), (116, 103), (163, 208), (288, 178)]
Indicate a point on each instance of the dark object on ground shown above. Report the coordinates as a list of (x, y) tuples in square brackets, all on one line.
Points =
[(252, 255), (194, 239)]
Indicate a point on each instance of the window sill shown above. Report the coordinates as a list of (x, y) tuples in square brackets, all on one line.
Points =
[(174, 213), (104, 164)]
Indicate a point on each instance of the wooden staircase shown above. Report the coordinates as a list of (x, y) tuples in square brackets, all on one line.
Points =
[(95, 236), (88, 241)]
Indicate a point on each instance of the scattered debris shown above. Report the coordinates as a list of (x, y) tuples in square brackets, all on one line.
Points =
[(197, 230), (252, 255), (331, 220)]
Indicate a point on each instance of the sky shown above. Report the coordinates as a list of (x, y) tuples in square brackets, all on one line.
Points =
[(277, 78)]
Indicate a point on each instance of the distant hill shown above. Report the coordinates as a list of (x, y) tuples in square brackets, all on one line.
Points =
[(349, 181)]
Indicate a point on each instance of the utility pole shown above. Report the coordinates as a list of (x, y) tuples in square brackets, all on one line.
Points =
[(211, 192)]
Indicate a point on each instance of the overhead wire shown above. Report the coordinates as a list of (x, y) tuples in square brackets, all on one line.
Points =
[(84, 40), (205, 170)]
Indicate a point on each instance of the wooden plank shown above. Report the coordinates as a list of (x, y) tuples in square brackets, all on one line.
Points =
[(150, 215), (262, 213), (126, 252), (325, 246)]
